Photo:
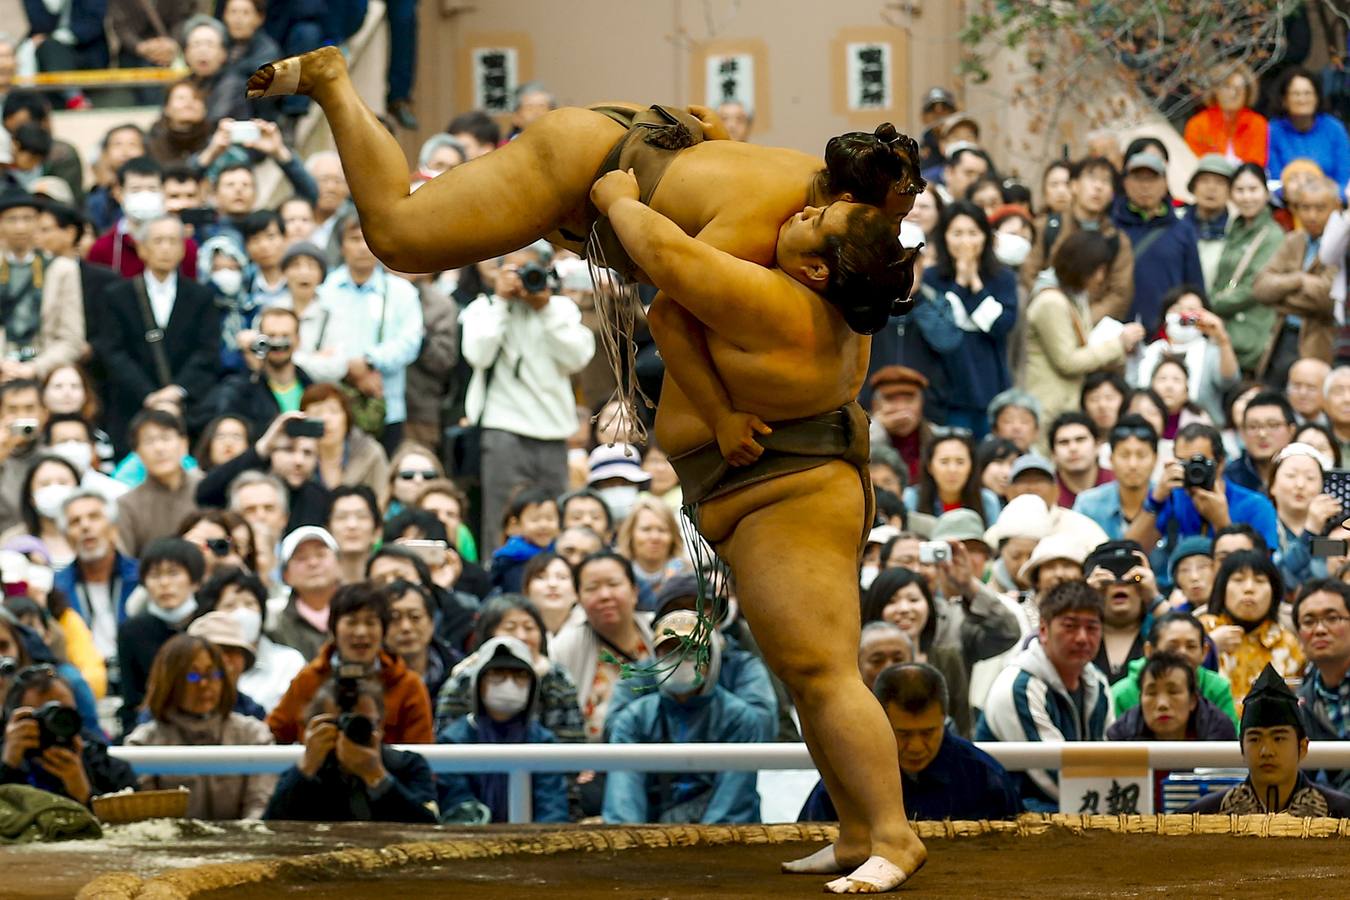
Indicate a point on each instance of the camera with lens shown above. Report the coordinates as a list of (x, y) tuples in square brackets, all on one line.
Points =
[(932, 553), (57, 725), (1199, 472), (534, 278), (263, 346), (357, 728), (9, 667)]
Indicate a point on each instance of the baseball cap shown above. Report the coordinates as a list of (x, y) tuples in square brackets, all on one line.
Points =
[(292, 541), (1031, 462), (938, 95), (616, 461), (1212, 164), (959, 525), (1151, 161)]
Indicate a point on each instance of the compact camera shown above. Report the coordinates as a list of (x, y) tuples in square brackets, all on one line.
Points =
[(263, 346), (933, 552)]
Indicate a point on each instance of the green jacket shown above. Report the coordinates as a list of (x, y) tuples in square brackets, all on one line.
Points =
[(1250, 323), (1213, 687)]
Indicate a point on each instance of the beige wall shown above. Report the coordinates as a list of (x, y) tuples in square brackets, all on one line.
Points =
[(589, 51)]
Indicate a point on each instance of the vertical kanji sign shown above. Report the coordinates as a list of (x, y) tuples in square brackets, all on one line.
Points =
[(869, 76), (495, 77), (730, 77)]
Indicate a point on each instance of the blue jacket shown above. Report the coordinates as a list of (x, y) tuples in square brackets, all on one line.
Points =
[(1244, 506), (962, 782), (548, 789), (1325, 143), (1168, 259), (126, 578), (988, 500), (720, 716), (977, 370), (1101, 504)]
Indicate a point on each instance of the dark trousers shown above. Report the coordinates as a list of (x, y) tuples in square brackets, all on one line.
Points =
[(402, 16), (392, 437), (1283, 355)]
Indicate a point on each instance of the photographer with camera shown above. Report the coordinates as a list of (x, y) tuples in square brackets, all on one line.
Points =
[(289, 450), (347, 774), (1120, 572), (1193, 498), (272, 383), (358, 619), (46, 747), (524, 343)]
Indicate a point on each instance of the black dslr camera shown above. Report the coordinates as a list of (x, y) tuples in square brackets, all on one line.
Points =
[(1199, 472), (57, 726), (357, 728), (533, 277)]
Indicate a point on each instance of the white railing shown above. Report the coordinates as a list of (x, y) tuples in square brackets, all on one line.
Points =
[(518, 761)]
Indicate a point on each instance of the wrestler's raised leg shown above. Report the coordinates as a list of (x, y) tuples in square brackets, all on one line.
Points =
[(484, 208), (802, 605)]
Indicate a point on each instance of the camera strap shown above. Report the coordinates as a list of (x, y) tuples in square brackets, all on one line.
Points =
[(154, 335)]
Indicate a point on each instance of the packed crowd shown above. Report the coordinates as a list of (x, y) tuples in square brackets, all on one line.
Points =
[(257, 488)]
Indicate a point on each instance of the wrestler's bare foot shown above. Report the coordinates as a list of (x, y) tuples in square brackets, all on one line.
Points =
[(885, 871), (302, 74), (825, 861)]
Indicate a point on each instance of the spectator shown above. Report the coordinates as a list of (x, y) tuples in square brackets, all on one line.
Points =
[(455, 607), (477, 131), (379, 317), (530, 523), (205, 54), (980, 297), (268, 666), (354, 522), (1103, 401), (265, 244), (231, 164), (1336, 405), (1267, 428), (587, 508), (182, 129), (411, 468), (547, 583), (277, 385), (1236, 537), (442, 498), (963, 166), (1056, 195), (1243, 622), (292, 459), (358, 622), (439, 153), (1116, 503), (249, 46), (171, 571), (1091, 185), (738, 120), (576, 543), (506, 692), (1193, 334), (50, 480), (1170, 707), (29, 636), (347, 455), (613, 630), (70, 37), (1303, 510), (60, 231), (139, 193), (945, 776), (1193, 497), (25, 107), (150, 510), (1322, 615), (348, 772), (297, 217), (650, 538), (1274, 740), (1020, 527), (1015, 415), (1177, 634), (213, 530), (223, 439), (1073, 445), (309, 567), (1252, 239), (158, 334), (947, 479), (99, 581), (221, 263), (144, 33), (1052, 692), (523, 344), (1169, 383), (994, 460), (1319, 437), (1120, 572), (689, 706), (1033, 474), (617, 478), (412, 635), (1228, 125), (191, 699), (79, 772), (1058, 351), (120, 143), (1211, 185), (1191, 570), (882, 645), (326, 170), (1301, 131), (1298, 286), (43, 319)]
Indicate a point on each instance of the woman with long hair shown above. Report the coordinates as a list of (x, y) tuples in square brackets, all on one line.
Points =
[(49, 481), (650, 539), (1252, 239), (948, 480)]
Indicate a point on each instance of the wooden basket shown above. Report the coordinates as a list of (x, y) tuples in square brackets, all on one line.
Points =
[(118, 809)]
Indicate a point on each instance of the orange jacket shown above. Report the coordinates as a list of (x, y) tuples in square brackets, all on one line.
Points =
[(1205, 133), (407, 705)]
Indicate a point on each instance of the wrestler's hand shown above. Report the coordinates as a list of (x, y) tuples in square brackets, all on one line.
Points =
[(612, 188), (736, 437), (714, 129)]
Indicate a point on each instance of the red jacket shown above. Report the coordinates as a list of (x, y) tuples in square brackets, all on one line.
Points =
[(1205, 133), (407, 705), (118, 252)]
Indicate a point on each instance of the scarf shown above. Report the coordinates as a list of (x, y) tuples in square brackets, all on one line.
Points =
[(492, 790)]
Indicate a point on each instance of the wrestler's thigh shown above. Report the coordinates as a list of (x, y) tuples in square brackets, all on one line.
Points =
[(795, 560), (522, 191)]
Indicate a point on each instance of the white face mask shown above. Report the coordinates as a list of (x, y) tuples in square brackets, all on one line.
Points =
[(1178, 333), (1011, 249), (229, 281), (685, 679), (47, 500), (506, 697), (620, 499), (180, 613), (250, 622), (142, 206), (868, 575), (77, 453)]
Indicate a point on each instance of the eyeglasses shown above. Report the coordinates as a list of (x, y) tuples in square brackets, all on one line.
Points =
[(1264, 427), (199, 677), (950, 431), (1330, 620), (413, 474), (219, 546)]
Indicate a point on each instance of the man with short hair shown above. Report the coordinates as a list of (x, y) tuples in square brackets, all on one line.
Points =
[(1164, 247), (326, 170), (1182, 634), (139, 191), (1268, 425), (1304, 389), (158, 335), (1134, 452), (1274, 741), (1092, 183), (259, 395), (737, 118), (1208, 216), (261, 500), (882, 645), (1034, 474), (477, 131), (154, 508), (897, 413), (205, 55), (59, 231), (1321, 613), (1336, 404), (291, 458), (1119, 570), (42, 317), (946, 777), (1073, 447), (1015, 415), (1298, 285), (1052, 692), (964, 165), (99, 580), (412, 636), (1203, 501), (309, 568), (22, 417)]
